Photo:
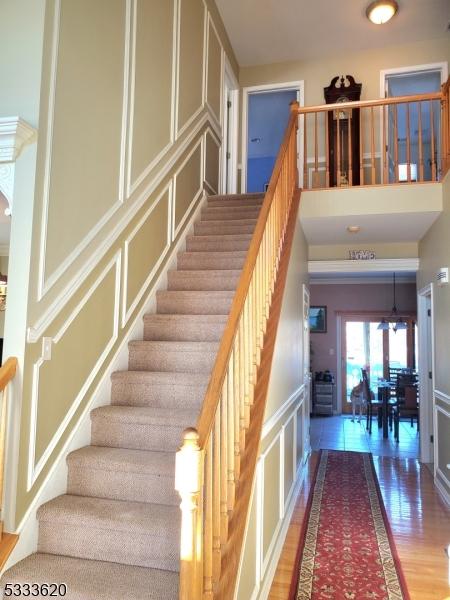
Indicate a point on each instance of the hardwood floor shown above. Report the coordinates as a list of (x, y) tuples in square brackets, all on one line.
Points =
[(420, 523)]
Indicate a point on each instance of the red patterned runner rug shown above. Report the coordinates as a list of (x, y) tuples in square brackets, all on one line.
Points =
[(346, 550)]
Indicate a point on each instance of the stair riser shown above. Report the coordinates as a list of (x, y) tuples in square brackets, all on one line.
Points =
[(199, 306), (191, 262), (159, 396), (211, 228), (126, 547), (120, 485), (183, 332), (163, 438), (182, 280), (197, 244), (180, 362), (229, 214)]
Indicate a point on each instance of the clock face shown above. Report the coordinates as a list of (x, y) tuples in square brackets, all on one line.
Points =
[(342, 99)]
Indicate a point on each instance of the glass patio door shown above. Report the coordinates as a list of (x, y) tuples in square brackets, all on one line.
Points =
[(367, 347)]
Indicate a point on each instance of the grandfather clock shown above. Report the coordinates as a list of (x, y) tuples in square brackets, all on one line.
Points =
[(343, 132)]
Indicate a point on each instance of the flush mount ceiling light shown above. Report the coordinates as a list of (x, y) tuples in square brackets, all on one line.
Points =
[(381, 11), (353, 228)]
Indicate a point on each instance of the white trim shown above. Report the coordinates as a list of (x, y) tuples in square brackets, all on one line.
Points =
[(7, 171), (219, 146), (426, 403), (38, 328), (176, 230), (230, 85), (34, 469), (360, 280), (273, 420), (126, 314), (298, 86), (364, 266), (46, 283), (15, 134), (278, 546), (442, 491), (132, 186), (443, 397), (210, 22), (438, 471), (179, 131), (339, 364)]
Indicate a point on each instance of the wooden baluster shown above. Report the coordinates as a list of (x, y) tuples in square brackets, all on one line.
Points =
[(433, 158), (217, 546), (338, 147), (384, 147), (361, 147), (349, 149), (208, 536), (224, 463), (421, 169), (316, 154), (327, 152), (232, 376), (408, 145), (397, 177), (188, 482), (305, 154), (372, 148)]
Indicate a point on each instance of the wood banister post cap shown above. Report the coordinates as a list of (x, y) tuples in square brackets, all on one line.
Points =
[(191, 437), (294, 105)]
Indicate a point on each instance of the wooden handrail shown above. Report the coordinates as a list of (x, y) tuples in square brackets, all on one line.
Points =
[(7, 372), (356, 154), (213, 457), (302, 110)]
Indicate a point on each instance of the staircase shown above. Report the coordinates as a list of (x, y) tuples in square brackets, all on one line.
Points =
[(115, 534)]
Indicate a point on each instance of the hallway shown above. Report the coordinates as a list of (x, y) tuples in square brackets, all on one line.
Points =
[(419, 520)]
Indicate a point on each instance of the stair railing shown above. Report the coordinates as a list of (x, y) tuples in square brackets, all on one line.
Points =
[(7, 373), (403, 139), (211, 459)]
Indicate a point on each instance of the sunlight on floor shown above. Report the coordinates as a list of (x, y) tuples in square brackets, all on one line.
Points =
[(341, 433)]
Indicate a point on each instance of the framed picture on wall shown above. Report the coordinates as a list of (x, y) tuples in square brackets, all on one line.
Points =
[(318, 319)]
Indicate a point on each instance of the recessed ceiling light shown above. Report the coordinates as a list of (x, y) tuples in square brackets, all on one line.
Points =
[(381, 11), (353, 228)]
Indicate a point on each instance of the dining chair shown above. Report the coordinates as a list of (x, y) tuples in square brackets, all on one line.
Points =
[(407, 406), (373, 406)]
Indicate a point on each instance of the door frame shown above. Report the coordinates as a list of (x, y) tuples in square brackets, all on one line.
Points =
[(299, 87), (426, 331), (407, 70), (228, 180), (360, 315)]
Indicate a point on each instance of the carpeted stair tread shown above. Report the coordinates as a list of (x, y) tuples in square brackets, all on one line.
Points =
[(95, 580), (144, 415), (184, 327), (159, 389), (218, 243), (102, 513), (203, 280), (225, 227), (195, 261), (229, 213), (224, 202), (194, 302), (191, 357), (123, 459)]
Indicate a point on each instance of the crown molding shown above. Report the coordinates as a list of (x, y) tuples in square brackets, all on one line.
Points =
[(15, 133), (379, 265)]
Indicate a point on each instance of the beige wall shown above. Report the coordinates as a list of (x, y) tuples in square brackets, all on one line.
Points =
[(129, 132), (434, 252), (284, 445)]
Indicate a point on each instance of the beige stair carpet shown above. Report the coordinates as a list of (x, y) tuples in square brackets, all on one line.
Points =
[(115, 534)]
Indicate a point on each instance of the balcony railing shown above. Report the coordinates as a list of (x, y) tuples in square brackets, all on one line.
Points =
[(404, 139)]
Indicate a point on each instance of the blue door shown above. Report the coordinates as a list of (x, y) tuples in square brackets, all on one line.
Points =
[(268, 116)]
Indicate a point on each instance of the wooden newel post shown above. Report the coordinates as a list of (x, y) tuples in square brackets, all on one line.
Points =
[(189, 483)]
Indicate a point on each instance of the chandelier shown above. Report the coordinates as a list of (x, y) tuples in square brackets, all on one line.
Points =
[(394, 319)]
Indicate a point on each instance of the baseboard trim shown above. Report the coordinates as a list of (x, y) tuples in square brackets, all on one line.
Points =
[(445, 495)]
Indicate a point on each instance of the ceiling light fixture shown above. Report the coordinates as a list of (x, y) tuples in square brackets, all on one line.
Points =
[(381, 11), (394, 319), (353, 228)]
